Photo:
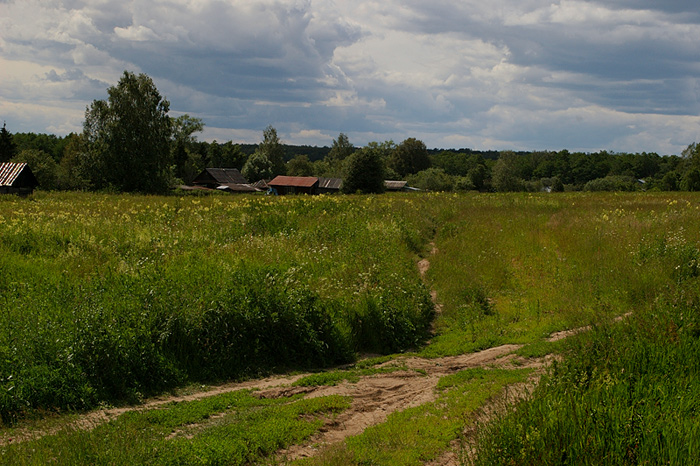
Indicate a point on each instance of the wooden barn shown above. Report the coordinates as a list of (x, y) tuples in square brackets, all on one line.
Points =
[(223, 179), (17, 178), (294, 184), (329, 185)]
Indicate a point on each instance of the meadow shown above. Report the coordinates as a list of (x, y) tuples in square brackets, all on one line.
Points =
[(108, 299)]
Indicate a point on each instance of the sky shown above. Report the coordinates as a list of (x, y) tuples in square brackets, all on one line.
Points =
[(582, 75)]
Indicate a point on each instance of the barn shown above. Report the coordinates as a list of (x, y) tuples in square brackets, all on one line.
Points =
[(224, 179), (17, 178), (294, 184)]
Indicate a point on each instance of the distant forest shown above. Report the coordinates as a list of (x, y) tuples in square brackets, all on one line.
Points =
[(56, 162)]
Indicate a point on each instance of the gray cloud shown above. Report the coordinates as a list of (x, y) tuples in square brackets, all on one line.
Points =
[(524, 74)]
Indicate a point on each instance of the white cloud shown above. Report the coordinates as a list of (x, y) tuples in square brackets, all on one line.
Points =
[(502, 74)]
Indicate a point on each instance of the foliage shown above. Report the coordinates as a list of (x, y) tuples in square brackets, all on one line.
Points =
[(341, 148), (431, 179), (127, 137), (365, 171), (43, 166), (612, 183), (257, 167), (300, 166), (109, 298), (8, 149), (271, 147), (505, 176), (409, 157)]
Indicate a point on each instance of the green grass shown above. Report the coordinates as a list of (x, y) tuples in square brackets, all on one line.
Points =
[(233, 429), (112, 298)]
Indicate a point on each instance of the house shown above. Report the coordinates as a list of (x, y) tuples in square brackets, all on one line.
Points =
[(294, 184), (17, 178), (329, 185), (223, 179)]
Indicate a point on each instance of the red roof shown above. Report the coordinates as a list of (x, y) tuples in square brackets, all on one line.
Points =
[(297, 181)]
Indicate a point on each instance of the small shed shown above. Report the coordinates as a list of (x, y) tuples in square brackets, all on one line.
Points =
[(17, 178), (294, 184)]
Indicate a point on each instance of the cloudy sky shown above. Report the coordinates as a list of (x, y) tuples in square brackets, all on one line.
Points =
[(620, 75)]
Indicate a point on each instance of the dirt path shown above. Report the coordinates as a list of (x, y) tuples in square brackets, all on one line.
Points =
[(374, 397)]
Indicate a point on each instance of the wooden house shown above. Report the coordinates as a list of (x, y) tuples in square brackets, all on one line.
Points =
[(17, 178), (294, 184)]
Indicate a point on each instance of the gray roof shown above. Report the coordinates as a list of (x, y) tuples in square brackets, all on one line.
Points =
[(330, 183), (220, 176)]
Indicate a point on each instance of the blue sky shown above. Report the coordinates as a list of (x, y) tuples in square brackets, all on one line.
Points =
[(621, 75)]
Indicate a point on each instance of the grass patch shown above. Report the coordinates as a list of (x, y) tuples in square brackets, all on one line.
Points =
[(233, 429)]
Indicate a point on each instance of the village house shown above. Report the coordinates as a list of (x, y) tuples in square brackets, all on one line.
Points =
[(294, 184), (17, 178)]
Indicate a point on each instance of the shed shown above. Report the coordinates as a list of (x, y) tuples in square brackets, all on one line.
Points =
[(329, 185), (392, 185), (17, 178), (215, 177), (294, 184)]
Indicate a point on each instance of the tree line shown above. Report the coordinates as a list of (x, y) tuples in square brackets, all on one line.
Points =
[(129, 143)]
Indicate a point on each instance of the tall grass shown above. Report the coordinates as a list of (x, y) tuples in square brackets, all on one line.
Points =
[(514, 268), (626, 392), (108, 298)]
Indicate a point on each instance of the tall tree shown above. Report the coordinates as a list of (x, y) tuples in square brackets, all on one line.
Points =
[(272, 148), (341, 148), (128, 137), (411, 156), (366, 168), (8, 149)]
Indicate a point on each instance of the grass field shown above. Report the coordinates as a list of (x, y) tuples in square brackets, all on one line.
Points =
[(107, 299)]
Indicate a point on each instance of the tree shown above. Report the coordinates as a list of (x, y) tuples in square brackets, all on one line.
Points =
[(43, 166), (183, 129), (128, 137), (504, 175), (8, 149), (365, 171), (409, 157), (300, 166), (432, 179), (271, 147), (227, 155), (257, 167), (341, 148)]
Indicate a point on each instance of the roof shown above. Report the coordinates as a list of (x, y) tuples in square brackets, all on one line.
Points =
[(330, 183), (392, 185), (297, 181), (221, 176), (238, 187), (10, 172)]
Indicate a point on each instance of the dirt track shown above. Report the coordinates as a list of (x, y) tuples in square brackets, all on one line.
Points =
[(374, 397)]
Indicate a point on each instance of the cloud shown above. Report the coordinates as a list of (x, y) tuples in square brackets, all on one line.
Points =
[(578, 74)]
